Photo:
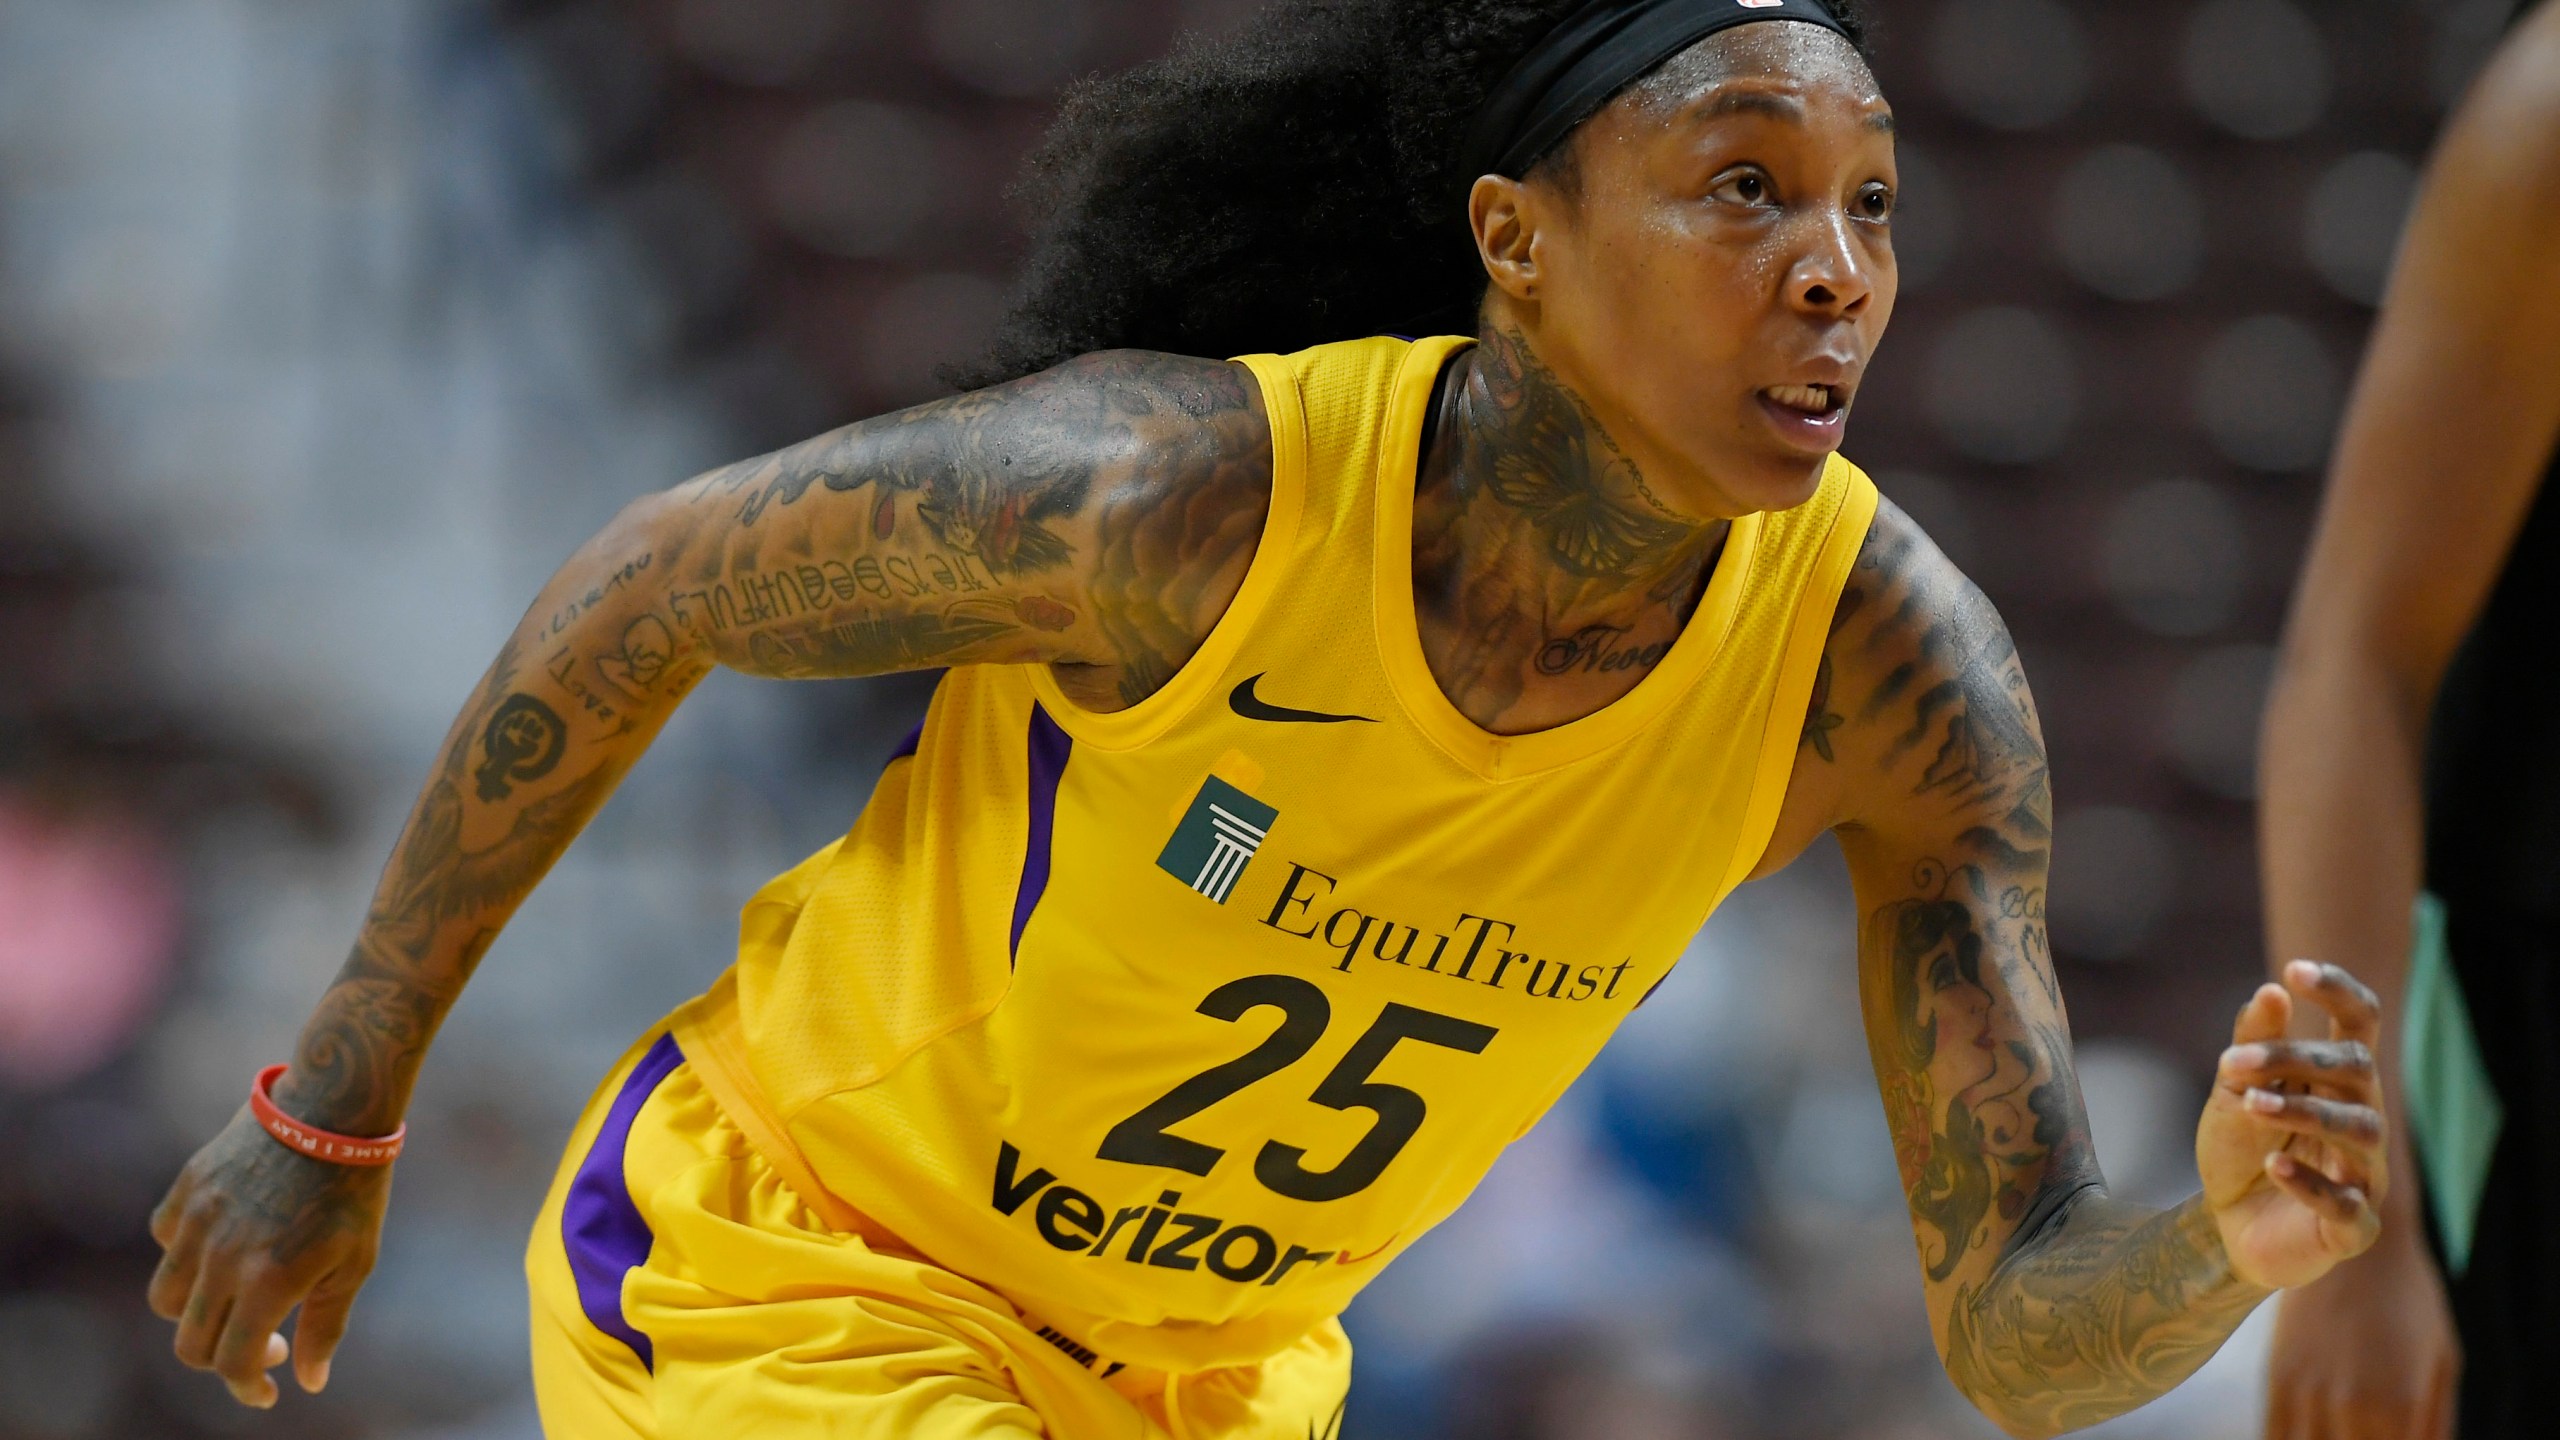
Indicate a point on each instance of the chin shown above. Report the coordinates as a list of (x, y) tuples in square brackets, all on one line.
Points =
[(1780, 482)]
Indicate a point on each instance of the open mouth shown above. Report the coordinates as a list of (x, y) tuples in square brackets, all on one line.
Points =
[(1807, 419), (1814, 400)]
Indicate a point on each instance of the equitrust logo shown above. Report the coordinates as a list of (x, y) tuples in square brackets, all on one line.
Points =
[(1216, 838)]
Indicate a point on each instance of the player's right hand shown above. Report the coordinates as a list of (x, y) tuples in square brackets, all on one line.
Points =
[(249, 1231), (2366, 1352)]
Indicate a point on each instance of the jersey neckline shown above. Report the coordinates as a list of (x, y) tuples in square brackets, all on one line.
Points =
[(1508, 757)]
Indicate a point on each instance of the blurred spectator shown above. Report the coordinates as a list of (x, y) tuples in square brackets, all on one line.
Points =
[(88, 925)]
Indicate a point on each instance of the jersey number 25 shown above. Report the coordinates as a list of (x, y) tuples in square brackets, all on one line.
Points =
[(1142, 1139)]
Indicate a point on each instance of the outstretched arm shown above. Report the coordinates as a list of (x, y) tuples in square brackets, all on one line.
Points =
[(2053, 1304), (2444, 445), (1097, 518)]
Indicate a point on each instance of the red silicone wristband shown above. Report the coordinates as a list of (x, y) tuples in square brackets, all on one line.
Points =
[(316, 1143)]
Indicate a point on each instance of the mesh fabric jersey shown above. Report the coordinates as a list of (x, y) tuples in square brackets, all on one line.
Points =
[(1174, 1025)]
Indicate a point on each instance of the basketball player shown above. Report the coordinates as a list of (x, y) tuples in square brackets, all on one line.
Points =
[(2440, 522), (1335, 746)]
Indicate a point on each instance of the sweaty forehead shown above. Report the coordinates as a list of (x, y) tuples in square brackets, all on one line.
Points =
[(1807, 55)]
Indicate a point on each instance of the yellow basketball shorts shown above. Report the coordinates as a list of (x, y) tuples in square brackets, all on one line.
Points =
[(682, 1289)]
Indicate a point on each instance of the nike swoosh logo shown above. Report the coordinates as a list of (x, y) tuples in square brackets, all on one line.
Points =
[(1347, 1258), (1244, 702)]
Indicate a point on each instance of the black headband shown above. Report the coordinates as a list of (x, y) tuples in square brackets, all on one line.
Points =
[(1590, 56)]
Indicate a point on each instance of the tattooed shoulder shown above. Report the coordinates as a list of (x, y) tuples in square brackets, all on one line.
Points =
[(1920, 691), (1172, 542), (1087, 516), (990, 470)]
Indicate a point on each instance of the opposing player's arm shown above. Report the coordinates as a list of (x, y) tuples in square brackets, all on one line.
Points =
[(1097, 517), (2454, 417), (2440, 455), (2053, 1305)]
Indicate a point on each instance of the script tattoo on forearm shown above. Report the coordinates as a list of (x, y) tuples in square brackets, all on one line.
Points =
[(2062, 1306), (748, 597), (628, 573), (868, 644)]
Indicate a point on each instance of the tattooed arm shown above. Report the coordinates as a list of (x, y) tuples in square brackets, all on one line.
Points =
[(1098, 517), (2053, 1304)]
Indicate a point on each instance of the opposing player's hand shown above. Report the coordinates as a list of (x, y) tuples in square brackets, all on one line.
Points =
[(2367, 1351), (249, 1231), (2291, 1144)]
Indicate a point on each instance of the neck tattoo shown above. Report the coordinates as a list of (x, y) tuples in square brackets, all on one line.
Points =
[(1535, 447), (1543, 562), (1518, 450)]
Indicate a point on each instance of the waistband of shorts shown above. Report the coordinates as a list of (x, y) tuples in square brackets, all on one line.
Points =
[(708, 1030)]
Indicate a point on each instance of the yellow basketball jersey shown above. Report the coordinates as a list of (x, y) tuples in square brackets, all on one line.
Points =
[(1176, 1024)]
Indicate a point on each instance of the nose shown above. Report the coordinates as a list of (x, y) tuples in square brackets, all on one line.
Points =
[(1832, 278)]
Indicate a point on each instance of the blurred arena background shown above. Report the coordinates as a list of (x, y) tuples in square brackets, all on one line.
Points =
[(326, 330)]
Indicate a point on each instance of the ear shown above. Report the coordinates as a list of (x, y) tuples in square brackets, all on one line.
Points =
[(1505, 217)]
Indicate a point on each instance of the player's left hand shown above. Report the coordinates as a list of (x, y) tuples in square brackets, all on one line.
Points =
[(2291, 1146)]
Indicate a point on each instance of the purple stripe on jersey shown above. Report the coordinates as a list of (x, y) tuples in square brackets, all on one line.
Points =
[(907, 747), (602, 1228), (1049, 746)]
